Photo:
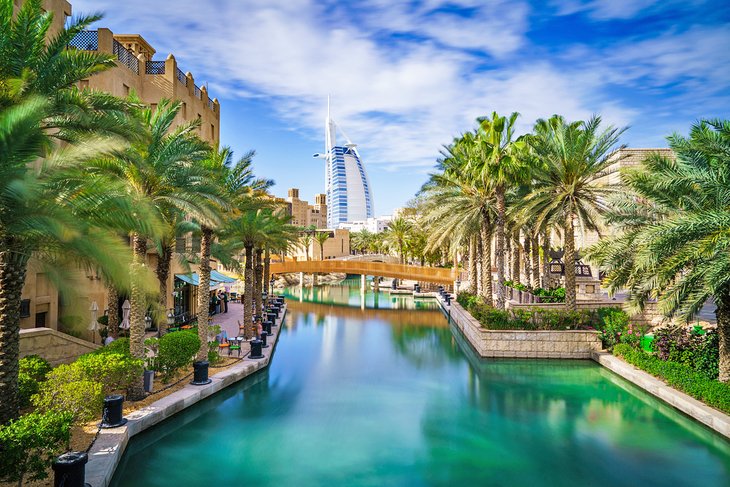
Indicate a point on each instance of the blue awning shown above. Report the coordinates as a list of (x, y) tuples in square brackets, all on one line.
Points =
[(217, 276), (195, 280)]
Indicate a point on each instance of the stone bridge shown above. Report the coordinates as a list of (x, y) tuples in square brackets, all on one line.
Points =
[(436, 275)]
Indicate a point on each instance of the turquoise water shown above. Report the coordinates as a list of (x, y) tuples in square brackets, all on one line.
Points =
[(393, 396)]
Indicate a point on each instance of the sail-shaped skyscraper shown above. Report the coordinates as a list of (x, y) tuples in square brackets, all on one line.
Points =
[(346, 184)]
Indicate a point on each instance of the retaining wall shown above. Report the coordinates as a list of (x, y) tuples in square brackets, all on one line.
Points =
[(571, 344), (54, 346)]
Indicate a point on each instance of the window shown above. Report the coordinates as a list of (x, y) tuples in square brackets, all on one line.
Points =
[(41, 319), (25, 308), (180, 245), (212, 131), (184, 110), (196, 245), (84, 84), (125, 89)]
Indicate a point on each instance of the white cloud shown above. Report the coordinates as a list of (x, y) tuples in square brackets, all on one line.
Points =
[(403, 99)]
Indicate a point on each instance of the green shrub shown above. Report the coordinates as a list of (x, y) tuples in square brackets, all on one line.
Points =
[(682, 377), (32, 370), (120, 345), (613, 324), (176, 350), (115, 371), (68, 389), (30, 443)]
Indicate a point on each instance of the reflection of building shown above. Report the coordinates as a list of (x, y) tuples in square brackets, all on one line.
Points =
[(303, 214), (42, 305), (349, 196)]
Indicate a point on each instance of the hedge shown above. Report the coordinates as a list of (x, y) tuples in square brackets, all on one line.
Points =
[(712, 392)]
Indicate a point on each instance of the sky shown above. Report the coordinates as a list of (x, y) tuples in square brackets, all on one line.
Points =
[(406, 77)]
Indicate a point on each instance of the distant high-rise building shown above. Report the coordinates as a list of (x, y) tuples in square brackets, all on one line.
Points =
[(347, 187)]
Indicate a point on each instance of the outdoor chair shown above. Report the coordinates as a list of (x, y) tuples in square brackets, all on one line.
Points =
[(223, 342), (236, 345)]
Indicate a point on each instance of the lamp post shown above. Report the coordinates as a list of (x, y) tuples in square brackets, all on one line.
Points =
[(457, 283), (170, 322), (271, 285)]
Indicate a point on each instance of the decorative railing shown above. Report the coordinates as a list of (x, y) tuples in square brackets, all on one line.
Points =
[(126, 57), (198, 93), (211, 105), (155, 67), (87, 40), (181, 77)]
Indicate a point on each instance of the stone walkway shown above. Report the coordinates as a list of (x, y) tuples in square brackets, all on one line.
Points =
[(229, 321)]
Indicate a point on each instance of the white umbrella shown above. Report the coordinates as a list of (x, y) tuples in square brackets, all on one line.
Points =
[(94, 325), (126, 307)]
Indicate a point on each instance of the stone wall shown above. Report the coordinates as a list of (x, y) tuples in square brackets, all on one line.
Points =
[(54, 346), (569, 344)]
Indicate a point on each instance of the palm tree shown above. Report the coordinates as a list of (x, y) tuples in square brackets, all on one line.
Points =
[(457, 207), (564, 190), (305, 242), (40, 211), (397, 234), (51, 213), (163, 167), (237, 186), (321, 238), (499, 168), (673, 241), (361, 241)]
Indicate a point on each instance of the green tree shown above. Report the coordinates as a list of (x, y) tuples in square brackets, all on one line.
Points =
[(399, 230), (673, 241), (305, 241), (564, 189), (163, 169), (44, 211), (361, 241), (499, 168), (321, 238)]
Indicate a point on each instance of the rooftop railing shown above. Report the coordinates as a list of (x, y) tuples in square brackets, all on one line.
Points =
[(181, 77), (155, 67), (126, 57), (198, 93), (87, 40)]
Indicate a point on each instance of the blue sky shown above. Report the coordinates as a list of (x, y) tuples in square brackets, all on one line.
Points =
[(407, 76)]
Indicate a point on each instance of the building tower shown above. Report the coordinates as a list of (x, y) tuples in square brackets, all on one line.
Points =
[(346, 183)]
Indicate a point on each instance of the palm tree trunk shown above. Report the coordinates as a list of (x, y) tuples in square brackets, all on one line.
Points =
[(723, 331), (509, 256), (473, 263), (13, 268), (546, 259), (569, 264), (479, 266), (206, 238), (321, 251), (499, 246), (163, 273), (528, 263), (113, 311), (487, 291), (267, 273), (516, 274), (248, 294), (258, 284), (138, 311), (535, 261)]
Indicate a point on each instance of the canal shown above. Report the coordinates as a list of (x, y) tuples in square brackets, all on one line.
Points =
[(381, 390)]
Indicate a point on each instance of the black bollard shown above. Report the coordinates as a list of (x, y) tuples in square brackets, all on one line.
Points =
[(263, 341), (271, 316), (70, 469), (280, 299), (441, 289), (200, 373), (267, 327), (394, 284), (448, 299), (256, 349), (111, 416)]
